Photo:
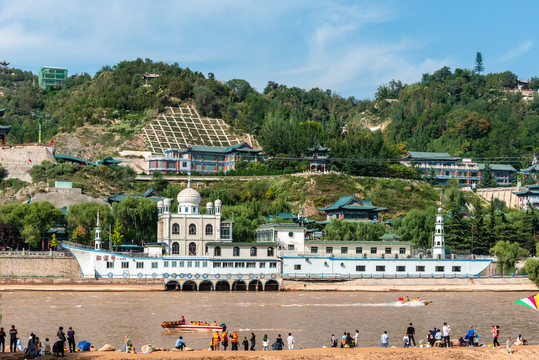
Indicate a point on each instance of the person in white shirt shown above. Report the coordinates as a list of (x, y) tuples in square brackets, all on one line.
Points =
[(385, 339), (290, 340), (446, 331), (356, 339)]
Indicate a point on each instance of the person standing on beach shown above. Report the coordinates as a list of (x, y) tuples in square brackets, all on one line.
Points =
[(411, 332), (508, 344), (224, 340), (13, 339), (265, 343), (253, 342), (406, 341), (60, 341), (2, 339), (385, 339), (356, 339), (290, 340), (471, 335), (71, 339), (333, 341), (343, 340), (216, 340), (446, 331), (245, 344), (234, 341), (495, 342)]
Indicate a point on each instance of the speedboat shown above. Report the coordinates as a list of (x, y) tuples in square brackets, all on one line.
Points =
[(176, 326), (404, 300)]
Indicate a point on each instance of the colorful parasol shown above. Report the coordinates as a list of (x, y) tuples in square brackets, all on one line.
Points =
[(530, 301)]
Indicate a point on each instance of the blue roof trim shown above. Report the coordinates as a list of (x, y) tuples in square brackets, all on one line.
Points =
[(380, 259)]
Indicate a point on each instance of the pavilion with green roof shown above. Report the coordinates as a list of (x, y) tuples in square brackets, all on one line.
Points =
[(150, 193), (350, 208), (318, 158), (528, 197)]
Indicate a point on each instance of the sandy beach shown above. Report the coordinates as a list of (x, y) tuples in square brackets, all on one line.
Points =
[(519, 352)]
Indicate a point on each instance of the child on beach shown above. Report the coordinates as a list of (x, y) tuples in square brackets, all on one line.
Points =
[(245, 344), (384, 339), (508, 344), (265, 343)]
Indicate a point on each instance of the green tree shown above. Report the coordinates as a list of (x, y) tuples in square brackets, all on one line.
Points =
[(479, 63), (417, 226), (85, 215), (507, 254), (488, 180), (139, 218), (117, 234), (38, 218)]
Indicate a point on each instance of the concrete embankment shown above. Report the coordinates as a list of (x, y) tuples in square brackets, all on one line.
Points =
[(64, 284), (424, 284)]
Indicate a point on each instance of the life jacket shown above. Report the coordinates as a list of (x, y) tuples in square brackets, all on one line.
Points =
[(214, 324), (206, 324), (234, 337), (216, 337), (224, 338)]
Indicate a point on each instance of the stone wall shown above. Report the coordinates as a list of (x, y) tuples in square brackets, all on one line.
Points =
[(22, 154), (39, 265)]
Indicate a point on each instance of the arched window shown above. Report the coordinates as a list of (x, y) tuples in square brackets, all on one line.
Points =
[(192, 229), (217, 251), (192, 249), (270, 251), (236, 251), (253, 251), (175, 248), (209, 229), (175, 229)]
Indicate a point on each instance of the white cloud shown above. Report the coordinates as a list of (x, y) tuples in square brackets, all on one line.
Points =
[(522, 49)]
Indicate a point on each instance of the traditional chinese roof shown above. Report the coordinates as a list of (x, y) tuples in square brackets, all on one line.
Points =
[(390, 237), (150, 193), (109, 161), (533, 168), (497, 167), (530, 190), (352, 203), (363, 243), (318, 148), (421, 155), (241, 147), (232, 244)]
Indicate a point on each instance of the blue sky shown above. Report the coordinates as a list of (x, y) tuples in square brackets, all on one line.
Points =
[(350, 47)]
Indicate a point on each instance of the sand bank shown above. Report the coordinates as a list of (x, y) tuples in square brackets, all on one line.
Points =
[(520, 353)]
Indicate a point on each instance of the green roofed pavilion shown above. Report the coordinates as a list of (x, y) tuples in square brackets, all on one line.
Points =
[(350, 208)]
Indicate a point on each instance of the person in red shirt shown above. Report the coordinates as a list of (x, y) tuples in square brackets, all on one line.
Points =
[(13, 339)]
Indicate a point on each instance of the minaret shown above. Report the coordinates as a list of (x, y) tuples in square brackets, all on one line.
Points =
[(438, 246), (97, 240)]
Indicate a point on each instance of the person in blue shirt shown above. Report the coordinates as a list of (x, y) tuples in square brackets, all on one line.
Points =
[(470, 336), (179, 344)]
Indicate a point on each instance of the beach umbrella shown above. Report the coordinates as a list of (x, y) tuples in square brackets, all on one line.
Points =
[(530, 301)]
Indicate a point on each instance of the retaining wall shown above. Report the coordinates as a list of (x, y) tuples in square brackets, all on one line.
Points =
[(39, 265)]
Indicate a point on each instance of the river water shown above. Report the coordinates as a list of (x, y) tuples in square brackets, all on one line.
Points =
[(106, 317)]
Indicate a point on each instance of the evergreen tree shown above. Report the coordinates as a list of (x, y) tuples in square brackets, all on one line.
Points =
[(488, 179), (456, 236), (479, 63), (432, 179), (479, 239)]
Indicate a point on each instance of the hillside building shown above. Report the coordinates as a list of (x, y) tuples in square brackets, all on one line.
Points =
[(529, 197), (318, 158), (203, 159), (49, 76), (466, 171), (350, 208)]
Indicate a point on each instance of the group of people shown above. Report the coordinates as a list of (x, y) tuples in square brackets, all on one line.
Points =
[(35, 347), (221, 342), (347, 340)]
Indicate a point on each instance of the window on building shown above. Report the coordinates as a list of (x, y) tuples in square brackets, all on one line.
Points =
[(314, 250), (125, 265), (373, 250), (165, 264), (175, 229), (419, 268), (344, 250), (456, 268), (197, 263), (388, 250), (192, 249), (360, 268), (192, 229), (262, 265), (297, 267), (329, 249), (175, 248), (239, 265), (402, 251), (236, 251), (140, 265), (270, 251), (251, 265), (204, 264), (253, 251), (180, 264), (359, 250), (216, 264), (290, 246), (217, 251), (401, 268), (110, 265), (189, 264), (209, 229), (272, 265), (380, 268), (439, 268), (154, 265), (184, 164)]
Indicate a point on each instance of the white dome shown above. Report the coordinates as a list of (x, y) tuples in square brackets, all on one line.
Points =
[(167, 202), (218, 202), (189, 196), (160, 203), (209, 205), (440, 210)]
